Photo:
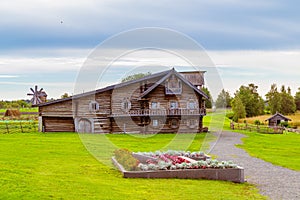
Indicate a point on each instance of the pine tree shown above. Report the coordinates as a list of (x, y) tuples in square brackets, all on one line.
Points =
[(274, 99), (223, 100)]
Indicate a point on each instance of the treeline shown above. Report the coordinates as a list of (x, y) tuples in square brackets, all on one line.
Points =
[(246, 101), (15, 104)]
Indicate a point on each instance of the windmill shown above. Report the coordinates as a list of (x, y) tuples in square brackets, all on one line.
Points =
[(38, 96)]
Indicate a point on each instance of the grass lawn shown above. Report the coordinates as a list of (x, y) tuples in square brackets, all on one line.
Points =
[(279, 149), (58, 166)]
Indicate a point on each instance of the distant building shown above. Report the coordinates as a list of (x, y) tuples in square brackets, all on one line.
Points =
[(165, 102), (276, 119)]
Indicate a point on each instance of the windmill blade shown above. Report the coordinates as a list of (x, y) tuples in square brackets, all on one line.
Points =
[(36, 94), (38, 100)]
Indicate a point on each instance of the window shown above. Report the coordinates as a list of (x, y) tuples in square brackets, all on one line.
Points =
[(154, 105), (93, 106), (155, 122), (173, 104), (191, 104), (173, 85), (126, 104), (192, 123)]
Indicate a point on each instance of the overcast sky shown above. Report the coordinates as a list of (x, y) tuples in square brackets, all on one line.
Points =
[(46, 42)]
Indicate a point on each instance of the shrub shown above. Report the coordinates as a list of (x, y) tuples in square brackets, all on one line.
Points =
[(257, 122), (230, 115), (125, 158), (285, 124)]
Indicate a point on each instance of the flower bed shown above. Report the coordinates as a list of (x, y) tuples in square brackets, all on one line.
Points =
[(175, 164)]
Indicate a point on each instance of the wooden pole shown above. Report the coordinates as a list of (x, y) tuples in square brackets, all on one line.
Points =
[(7, 127), (21, 127)]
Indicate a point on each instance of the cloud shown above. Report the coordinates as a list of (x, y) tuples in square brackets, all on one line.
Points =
[(283, 62), (223, 24), (23, 65), (8, 76)]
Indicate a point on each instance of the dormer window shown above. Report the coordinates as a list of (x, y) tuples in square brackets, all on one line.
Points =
[(94, 106), (173, 85)]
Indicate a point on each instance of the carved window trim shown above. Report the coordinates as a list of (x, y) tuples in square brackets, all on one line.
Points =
[(94, 106), (155, 123), (154, 105), (192, 123), (191, 104), (126, 104), (173, 85), (173, 104)]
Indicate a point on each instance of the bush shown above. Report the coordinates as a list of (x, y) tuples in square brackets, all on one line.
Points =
[(257, 122), (230, 115), (285, 124), (125, 158)]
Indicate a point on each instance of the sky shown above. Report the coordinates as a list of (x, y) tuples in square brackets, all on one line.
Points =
[(47, 42)]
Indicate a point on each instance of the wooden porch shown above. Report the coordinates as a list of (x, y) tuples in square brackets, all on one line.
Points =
[(161, 112)]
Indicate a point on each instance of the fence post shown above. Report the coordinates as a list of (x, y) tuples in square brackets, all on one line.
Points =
[(7, 127), (21, 127)]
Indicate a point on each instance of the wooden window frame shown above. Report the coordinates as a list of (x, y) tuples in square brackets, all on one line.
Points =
[(94, 106)]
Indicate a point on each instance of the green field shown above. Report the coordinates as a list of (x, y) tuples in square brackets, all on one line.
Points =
[(279, 149), (33, 109), (58, 166)]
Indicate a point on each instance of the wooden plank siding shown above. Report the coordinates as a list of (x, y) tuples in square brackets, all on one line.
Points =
[(58, 124), (104, 112)]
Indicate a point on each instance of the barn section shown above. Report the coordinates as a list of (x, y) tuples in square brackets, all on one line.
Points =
[(276, 119), (56, 116), (163, 102)]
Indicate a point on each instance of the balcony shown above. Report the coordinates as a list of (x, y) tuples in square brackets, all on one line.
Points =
[(161, 112)]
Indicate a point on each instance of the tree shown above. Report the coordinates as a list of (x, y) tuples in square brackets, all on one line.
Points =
[(297, 99), (238, 109), (253, 103), (282, 101), (135, 76), (208, 102), (65, 95), (274, 99), (288, 105), (2, 104), (223, 100)]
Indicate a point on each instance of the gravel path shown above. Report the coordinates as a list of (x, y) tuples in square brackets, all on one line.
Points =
[(273, 181)]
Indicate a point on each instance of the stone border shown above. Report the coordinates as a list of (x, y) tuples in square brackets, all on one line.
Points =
[(230, 174)]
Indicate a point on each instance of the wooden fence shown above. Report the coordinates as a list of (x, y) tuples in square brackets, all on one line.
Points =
[(18, 127), (257, 128)]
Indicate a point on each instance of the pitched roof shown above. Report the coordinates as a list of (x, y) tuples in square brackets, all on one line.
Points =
[(164, 75), (171, 72), (278, 114)]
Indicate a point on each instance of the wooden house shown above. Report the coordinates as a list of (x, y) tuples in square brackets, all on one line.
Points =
[(276, 119), (165, 102)]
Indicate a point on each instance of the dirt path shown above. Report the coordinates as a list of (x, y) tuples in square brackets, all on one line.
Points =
[(273, 181)]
